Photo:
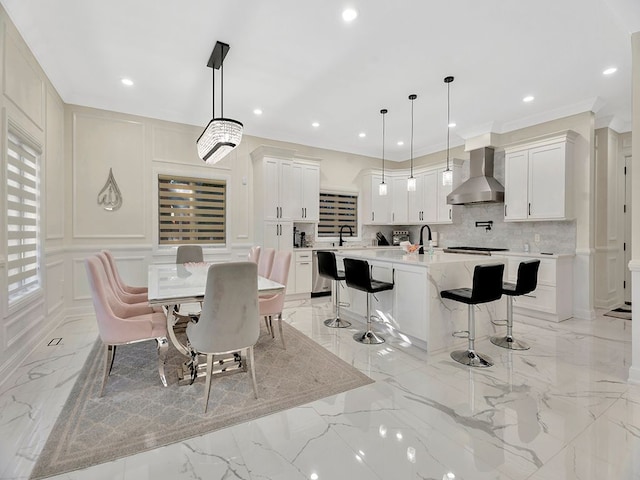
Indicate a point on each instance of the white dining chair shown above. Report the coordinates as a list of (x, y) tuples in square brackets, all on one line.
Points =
[(227, 322), (272, 306)]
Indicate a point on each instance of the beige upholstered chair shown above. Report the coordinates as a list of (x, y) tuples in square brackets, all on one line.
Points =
[(266, 262), (274, 304), (229, 319), (189, 254), (123, 286), (254, 254), (120, 323)]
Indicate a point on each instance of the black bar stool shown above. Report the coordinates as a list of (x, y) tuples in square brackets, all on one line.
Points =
[(487, 287), (328, 268), (358, 275), (526, 282)]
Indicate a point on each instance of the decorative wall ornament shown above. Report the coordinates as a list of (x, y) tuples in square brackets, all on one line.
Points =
[(110, 197)]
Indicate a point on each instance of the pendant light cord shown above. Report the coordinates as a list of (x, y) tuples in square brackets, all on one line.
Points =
[(412, 138), (221, 90), (448, 120), (383, 113)]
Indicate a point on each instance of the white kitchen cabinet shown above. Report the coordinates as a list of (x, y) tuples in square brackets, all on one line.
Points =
[(553, 297), (410, 317), (376, 208), (539, 179), (278, 194), (399, 200), (301, 280), (445, 211), (305, 192), (423, 202)]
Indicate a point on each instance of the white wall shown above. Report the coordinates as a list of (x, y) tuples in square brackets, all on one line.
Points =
[(634, 265), (31, 103)]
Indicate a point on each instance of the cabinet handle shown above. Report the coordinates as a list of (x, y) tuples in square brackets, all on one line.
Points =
[(449, 213), (373, 216), (305, 212), (529, 208), (303, 263), (505, 209)]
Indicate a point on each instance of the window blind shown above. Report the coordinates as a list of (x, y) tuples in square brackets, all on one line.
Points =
[(191, 210), (22, 182), (337, 209)]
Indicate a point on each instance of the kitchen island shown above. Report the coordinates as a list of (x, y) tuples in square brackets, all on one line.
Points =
[(413, 310)]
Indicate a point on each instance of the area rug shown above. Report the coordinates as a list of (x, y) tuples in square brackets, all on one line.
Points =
[(136, 413), (619, 313)]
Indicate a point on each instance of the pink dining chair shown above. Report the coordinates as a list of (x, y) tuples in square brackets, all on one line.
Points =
[(227, 322), (122, 324), (265, 263), (123, 295), (273, 305), (123, 286), (254, 254)]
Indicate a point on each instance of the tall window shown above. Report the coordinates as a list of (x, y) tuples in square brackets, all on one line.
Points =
[(337, 209), (23, 259), (191, 210)]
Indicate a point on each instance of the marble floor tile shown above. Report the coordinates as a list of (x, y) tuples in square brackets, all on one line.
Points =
[(559, 411)]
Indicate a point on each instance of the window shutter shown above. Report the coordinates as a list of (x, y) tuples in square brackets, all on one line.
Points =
[(336, 210), (191, 210), (23, 273)]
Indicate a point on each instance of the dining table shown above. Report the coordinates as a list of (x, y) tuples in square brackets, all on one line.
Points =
[(171, 285)]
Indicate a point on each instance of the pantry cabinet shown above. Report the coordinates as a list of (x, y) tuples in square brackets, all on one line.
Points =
[(539, 179), (305, 188)]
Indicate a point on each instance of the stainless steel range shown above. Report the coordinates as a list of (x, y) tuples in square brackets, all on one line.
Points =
[(474, 250)]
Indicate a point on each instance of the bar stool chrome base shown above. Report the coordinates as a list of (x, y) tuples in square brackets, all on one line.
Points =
[(509, 342), (471, 358), (368, 338), (337, 323)]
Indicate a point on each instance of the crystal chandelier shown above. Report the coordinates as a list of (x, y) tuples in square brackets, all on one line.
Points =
[(222, 134), (382, 188), (411, 181)]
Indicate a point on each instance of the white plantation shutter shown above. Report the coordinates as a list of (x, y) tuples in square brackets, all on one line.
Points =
[(191, 210), (23, 259), (337, 209)]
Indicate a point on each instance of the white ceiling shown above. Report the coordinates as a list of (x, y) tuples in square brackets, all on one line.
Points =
[(300, 62)]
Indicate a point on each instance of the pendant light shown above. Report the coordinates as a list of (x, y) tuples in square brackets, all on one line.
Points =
[(222, 134), (382, 188), (447, 175), (411, 181)]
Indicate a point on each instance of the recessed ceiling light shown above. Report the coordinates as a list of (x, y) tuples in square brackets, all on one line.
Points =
[(315, 124), (362, 134), (400, 143), (610, 71), (127, 81), (257, 111), (528, 98), (349, 14), (452, 124)]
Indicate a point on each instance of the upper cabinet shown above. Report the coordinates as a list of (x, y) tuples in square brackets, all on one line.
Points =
[(305, 187), (427, 204), (277, 178), (538, 179), (376, 208)]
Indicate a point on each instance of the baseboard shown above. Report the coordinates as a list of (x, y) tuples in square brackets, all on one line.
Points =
[(584, 314), (634, 375)]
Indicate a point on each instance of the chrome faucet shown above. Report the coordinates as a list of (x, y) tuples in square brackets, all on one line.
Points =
[(421, 251), (350, 233)]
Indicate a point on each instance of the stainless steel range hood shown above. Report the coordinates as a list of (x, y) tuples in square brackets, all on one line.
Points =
[(481, 186)]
